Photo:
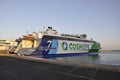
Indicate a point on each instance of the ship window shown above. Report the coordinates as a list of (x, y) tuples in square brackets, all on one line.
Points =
[(64, 38), (1, 45), (6, 43)]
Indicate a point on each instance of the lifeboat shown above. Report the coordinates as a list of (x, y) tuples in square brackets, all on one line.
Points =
[(28, 36)]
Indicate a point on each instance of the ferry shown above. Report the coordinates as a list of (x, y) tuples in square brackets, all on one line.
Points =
[(51, 43)]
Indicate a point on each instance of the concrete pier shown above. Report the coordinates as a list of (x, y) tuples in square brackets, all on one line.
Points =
[(14, 67)]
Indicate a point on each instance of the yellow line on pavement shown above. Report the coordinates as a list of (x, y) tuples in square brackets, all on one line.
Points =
[(74, 75), (75, 68), (95, 72)]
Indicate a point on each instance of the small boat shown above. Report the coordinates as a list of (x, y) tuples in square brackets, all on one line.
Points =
[(51, 43)]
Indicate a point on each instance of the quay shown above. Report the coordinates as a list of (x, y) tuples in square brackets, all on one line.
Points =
[(14, 67)]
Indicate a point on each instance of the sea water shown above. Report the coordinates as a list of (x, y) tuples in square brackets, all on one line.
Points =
[(109, 58)]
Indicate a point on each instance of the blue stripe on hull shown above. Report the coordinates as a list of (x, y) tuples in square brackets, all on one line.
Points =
[(63, 55), (68, 54)]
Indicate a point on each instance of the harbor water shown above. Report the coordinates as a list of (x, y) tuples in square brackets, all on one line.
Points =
[(108, 58)]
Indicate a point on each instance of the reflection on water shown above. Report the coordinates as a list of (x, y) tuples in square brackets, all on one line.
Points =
[(110, 58)]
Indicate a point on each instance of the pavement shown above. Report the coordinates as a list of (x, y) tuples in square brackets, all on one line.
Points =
[(13, 67)]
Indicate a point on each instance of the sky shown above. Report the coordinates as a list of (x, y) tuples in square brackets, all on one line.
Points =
[(99, 19)]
